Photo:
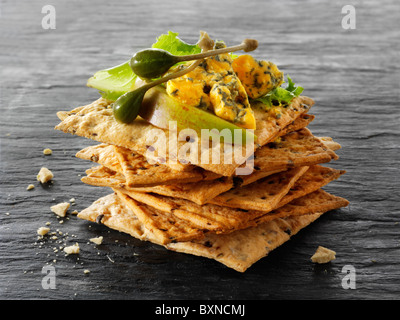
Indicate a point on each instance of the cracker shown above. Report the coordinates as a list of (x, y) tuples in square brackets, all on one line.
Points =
[(95, 121), (219, 218), (241, 181), (315, 177), (316, 201), (113, 213), (136, 170), (101, 176), (262, 195), (103, 154), (164, 225), (198, 192), (329, 143), (310, 154), (278, 189), (238, 250), (268, 128), (299, 148), (301, 122), (208, 217)]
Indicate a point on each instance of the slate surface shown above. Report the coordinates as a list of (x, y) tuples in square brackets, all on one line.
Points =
[(353, 75)]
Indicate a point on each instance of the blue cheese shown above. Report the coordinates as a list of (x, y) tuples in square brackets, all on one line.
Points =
[(214, 86)]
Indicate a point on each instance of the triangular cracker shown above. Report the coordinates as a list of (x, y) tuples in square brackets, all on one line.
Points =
[(269, 127), (199, 192), (298, 148), (219, 218), (301, 122), (215, 217), (113, 213), (329, 143), (315, 177), (166, 227), (237, 250), (139, 172), (316, 201), (208, 217), (95, 121), (262, 195)]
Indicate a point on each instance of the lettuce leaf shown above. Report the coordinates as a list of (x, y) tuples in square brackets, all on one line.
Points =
[(115, 81), (281, 96), (171, 43)]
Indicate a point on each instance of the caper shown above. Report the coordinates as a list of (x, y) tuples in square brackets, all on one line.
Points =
[(127, 106), (152, 63)]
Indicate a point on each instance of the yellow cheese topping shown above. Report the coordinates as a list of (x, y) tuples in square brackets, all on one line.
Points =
[(214, 86), (257, 77)]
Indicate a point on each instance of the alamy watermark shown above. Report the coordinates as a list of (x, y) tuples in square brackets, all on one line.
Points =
[(349, 280), (49, 280), (349, 18), (49, 20), (211, 147)]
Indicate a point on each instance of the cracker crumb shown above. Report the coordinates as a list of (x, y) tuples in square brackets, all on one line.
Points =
[(30, 187), (42, 231), (74, 249), (323, 255), (97, 240), (44, 175), (86, 271), (47, 151), (60, 209)]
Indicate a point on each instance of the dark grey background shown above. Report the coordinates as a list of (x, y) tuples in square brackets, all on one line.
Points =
[(353, 75)]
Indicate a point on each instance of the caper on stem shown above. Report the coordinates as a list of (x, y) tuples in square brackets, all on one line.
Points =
[(152, 63), (127, 106), (247, 45)]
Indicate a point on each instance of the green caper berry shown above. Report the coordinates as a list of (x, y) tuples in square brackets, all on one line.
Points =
[(127, 106), (152, 63)]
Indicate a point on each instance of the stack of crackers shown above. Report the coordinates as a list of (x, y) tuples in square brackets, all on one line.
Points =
[(207, 209)]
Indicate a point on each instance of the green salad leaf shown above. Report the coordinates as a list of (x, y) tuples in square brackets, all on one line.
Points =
[(173, 44), (281, 96), (115, 81), (296, 91)]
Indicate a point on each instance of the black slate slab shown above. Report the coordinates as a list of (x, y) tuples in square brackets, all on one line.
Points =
[(353, 75)]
